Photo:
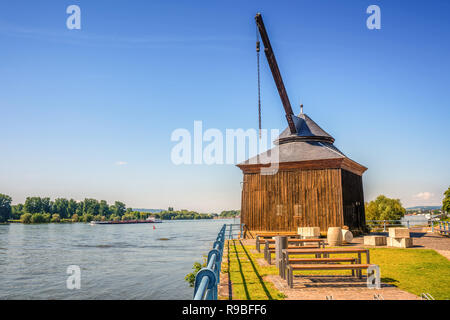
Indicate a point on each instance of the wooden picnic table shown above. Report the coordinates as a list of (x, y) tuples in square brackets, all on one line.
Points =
[(273, 233), (294, 240), (321, 242), (325, 252)]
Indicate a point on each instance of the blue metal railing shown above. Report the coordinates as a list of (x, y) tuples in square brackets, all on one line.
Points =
[(208, 278), (231, 230), (384, 224), (444, 227)]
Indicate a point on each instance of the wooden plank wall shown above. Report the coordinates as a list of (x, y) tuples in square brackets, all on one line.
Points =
[(291, 199)]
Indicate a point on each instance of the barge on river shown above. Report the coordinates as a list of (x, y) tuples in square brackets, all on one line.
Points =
[(148, 220)]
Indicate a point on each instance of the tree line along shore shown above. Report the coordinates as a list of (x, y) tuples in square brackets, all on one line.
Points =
[(44, 210)]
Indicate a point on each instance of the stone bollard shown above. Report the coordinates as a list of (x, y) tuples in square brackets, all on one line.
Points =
[(281, 242)]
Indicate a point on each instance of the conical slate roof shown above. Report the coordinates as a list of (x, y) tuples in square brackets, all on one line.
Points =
[(309, 144), (307, 130)]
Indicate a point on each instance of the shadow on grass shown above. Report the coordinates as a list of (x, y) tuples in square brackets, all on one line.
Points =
[(266, 291), (244, 283), (230, 289), (389, 281)]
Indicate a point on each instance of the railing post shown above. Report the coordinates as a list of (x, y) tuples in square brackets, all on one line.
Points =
[(384, 225), (214, 261), (204, 281)]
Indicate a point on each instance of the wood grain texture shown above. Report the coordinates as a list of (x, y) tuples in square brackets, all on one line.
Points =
[(294, 198), (330, 197)]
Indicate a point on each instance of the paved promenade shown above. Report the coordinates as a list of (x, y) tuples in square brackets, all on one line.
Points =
[(336, 288)]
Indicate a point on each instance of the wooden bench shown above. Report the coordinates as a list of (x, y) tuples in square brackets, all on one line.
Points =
[(263, 236), (268, 250), (327, 251), (291, 261), (293, 241), (290, 269), (274, 234)]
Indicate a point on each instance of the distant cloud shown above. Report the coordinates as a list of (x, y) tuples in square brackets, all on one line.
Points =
[(424, 196), (121, 163)]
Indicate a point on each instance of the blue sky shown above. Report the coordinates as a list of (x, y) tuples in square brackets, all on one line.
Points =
[(90, 112)]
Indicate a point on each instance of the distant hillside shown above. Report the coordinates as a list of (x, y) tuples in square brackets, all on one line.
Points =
[(424, 208), (148, 210)]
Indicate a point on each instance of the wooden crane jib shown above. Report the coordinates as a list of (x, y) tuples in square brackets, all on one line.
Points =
[(291, 118)]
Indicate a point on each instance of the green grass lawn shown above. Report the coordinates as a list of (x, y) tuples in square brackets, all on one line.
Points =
[(247, 275), (413, 270)]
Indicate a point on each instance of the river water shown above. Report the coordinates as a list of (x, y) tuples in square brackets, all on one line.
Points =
[(116, 261)]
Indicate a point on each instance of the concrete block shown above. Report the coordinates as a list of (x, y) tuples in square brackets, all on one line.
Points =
[(399, 242), (308, 232), (375, 240), (399, 232)]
